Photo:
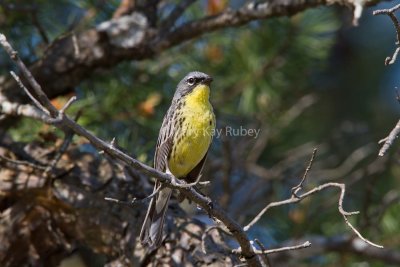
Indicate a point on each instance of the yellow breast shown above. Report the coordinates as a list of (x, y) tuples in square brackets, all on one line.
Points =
[(193, 137)]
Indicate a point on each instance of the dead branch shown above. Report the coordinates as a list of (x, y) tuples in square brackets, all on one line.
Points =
[(298, 187), (24, 110), (339, 243), (276, 250), (388, 141), (392, 16), (297, 198), (22, 162), (135, 201), (233, 18), (288, 248)]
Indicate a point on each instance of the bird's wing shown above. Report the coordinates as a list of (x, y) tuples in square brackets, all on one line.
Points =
[(192, 176), (152, 229), (165, 141)]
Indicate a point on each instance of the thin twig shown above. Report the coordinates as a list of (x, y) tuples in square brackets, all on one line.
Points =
[(276, 250), (68, 104), (388, 141), (296, 199), (392, 59), (388, 61), (46, 118), (385, 11), (180, 184), (390, 13), (298, 187), (134, 201), (204, 183), (23, 163), (34, 100), (25, 110), (41, 96), (392, 16)]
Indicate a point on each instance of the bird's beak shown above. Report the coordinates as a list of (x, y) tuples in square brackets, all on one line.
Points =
[(207, 80)]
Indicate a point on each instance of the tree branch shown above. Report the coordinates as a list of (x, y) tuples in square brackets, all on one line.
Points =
[(135, 201), (388, 61), (388, 141), (392, 16), (298, 187), (25, 110), (342, 244), (234, 18), (276, 250), (297, 198)]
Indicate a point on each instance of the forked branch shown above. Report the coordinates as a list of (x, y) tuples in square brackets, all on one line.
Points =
[(297, 198)]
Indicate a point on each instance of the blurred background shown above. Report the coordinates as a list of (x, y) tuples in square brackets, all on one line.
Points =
[(309, 81)]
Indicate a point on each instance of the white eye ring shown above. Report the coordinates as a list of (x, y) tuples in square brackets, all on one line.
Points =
[(190, 81)]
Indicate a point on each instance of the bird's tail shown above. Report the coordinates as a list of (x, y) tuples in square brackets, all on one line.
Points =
[(152, 229)]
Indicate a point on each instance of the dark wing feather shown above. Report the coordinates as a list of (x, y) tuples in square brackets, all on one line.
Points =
[(152, 229), (194, 174), (164, 142)]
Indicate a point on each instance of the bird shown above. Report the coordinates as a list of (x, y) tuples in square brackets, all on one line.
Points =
[(183, 142)]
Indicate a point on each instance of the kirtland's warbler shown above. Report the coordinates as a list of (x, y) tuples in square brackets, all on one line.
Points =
[(183, 142)]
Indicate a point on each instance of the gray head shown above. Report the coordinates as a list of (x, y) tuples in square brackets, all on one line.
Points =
[(191, 80)]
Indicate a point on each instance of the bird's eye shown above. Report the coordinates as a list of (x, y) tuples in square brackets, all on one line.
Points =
[(191, 81)]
